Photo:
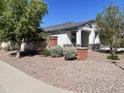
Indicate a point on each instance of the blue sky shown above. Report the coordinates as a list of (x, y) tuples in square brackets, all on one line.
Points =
[(60, 11)]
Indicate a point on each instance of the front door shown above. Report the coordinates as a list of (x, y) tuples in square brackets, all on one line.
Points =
[(85, 38)]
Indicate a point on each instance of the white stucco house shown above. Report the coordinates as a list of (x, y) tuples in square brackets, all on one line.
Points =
[(83, 34)]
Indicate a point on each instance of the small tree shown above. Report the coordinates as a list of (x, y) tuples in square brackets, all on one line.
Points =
[(19, 20), (110, 24)]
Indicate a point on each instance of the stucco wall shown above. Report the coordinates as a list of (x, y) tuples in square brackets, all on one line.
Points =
[(63, 38), (97, 39), (91, 37)]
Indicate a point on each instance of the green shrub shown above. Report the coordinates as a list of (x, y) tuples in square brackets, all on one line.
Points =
[(113, 57), (7, 48), (70, 53), (56, 51), (46, 52)]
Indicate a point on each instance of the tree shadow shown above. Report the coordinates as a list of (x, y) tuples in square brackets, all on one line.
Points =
[(102, 51), (107, 51), (115, 63), (120, 52), (25, 53)]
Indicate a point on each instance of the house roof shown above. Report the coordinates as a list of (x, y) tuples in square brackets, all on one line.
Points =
[(66, 26)]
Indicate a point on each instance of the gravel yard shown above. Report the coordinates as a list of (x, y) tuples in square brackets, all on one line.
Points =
[(2, 90), (94, 75)]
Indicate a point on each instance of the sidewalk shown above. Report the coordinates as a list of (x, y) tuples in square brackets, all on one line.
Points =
[(14, 81)]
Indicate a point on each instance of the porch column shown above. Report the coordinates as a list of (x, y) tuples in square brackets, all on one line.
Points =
[(78, 38), (97, 39), (92, 36)]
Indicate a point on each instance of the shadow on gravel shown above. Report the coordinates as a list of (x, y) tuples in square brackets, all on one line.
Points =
[(26, 53), (116, 64), (108, 52), (101, 51)]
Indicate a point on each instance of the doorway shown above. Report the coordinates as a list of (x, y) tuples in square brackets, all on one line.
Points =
[(73, 38), (85, 38)]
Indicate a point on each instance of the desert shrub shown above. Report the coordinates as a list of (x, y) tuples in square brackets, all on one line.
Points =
[(70, 53), (13, 46), (46, 52), (56, 51), (7, 48), (113, 57)]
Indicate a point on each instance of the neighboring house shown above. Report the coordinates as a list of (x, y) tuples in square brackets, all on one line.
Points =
[(81, 34)]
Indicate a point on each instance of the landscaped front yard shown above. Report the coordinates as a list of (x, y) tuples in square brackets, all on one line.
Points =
[(94, 75)]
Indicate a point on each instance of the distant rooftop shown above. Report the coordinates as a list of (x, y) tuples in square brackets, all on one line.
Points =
[(65, 26)]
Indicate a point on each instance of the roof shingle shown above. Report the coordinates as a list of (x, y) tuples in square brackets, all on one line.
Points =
[(67, 25)]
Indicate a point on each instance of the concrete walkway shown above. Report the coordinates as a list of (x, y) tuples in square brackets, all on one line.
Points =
[(14, 81)]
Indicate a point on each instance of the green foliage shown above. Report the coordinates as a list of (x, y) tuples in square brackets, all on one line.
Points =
[(113, 57), (70, 53), (56, 51), (122, 41), (44, 35), (7, 48), (110, 23), (46, 52), (19, 20)]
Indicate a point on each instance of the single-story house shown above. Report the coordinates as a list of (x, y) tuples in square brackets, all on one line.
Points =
[(83, 34)]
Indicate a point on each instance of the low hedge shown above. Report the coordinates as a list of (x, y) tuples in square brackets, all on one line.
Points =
[(56, 51), (113, 57), (46, 52), (70, 53)]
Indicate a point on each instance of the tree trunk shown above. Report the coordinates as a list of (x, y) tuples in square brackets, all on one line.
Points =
[(112, 50), (18, 54), (113, 46)]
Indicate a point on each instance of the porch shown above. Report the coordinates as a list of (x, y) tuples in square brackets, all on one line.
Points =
[(85, 37), (80, 38)]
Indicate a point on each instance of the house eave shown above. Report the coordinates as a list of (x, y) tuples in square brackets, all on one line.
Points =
[(68, 26)]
